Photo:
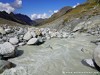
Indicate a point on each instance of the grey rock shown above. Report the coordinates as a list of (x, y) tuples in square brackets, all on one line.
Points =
[(15, 71), (8, 30), (32, 41), (33, 34), (27, 36), (89, 63), (14, 40), (5, 38), (21, 43), (79, 26), (97, 55), (7, 50), (5, 65), (2, 31), (64, 34), (21, 31), (40, 39), (20, 37)]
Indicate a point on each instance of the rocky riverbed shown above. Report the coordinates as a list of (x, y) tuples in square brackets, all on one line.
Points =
[(45, 51)]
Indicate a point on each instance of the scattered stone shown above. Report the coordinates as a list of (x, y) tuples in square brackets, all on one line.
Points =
[(8, 31), (48, 37), (32, 41), (16, 71), (5, 65), (59, 35), (88, 62), (5, 39), (21, 44), (7, 50), (27, 36), (21, 31), (14, 40), (2, 31), (33, 34), (65, 35), (97, 55), (40, 39)]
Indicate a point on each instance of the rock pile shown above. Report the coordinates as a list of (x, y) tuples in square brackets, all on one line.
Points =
[(20, 36), (12, 37)]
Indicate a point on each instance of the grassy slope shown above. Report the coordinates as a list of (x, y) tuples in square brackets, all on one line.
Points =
[(11, 23), (78, 12)]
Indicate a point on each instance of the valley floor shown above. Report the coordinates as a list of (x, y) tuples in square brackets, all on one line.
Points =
[(55, 57)]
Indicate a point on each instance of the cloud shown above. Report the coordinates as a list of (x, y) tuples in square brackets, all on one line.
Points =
[(6, 7), (55, 11), (76, 5), (37, 16), (44, 15), (10, 7), (17, 4), (52, 12)]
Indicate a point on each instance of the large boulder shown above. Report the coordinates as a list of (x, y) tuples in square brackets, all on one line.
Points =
[(88, 62), (20, 37), (21, 31), (32, 41), (4, 38), (27, 36), (14, 40), (8, 30), (33, 34), (7, 50), (2, 31), (96, 55), (5, 65)]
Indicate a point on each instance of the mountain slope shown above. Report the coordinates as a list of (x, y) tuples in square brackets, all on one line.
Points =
[(57, 15), (11, 23), (19, 18), (69, 20)]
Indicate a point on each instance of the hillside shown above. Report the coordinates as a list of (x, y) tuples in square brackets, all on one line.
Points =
[(81, 12), (10, 23), (57, 15), (19, 18)]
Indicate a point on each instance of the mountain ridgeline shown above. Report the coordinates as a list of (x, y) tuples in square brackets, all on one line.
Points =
[(25, 20), (61, 18), (19, 18), (55, 16)]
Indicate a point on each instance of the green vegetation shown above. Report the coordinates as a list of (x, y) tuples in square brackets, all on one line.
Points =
[(82, 10), (92, 1), (89, 8)]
